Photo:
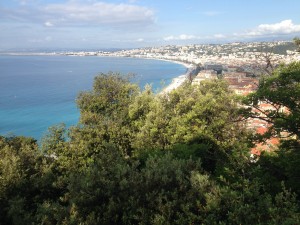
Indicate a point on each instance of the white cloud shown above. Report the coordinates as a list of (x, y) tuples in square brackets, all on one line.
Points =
[(283, 27), (48, 24), (99, 13), (140, 40), (180, 37), (73, 13), (83, 13)]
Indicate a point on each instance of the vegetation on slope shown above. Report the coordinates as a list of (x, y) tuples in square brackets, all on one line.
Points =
[(140, 158)]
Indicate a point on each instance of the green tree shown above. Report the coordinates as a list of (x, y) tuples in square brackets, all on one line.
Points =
[(297, 43), (190, 163), (19, 171), (201, 117), (105, 109), (191, 111), (282, 92), (111, 95)]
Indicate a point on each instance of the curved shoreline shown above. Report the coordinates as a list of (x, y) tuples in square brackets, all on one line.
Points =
[(175, 83), (178, 81)]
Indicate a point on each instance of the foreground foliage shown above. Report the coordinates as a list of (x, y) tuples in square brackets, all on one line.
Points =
[(140, 158), (282, 92)]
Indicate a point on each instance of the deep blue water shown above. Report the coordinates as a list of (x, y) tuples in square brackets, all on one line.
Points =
[(37, 92)]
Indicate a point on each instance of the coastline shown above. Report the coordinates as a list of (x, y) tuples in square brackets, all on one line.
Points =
[(178, 81), (175, 83)]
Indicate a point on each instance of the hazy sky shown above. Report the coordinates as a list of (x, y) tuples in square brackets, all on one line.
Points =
[(138, 23)]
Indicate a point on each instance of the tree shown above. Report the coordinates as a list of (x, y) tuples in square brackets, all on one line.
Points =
[(105, 109), (111, 95), (19, 171), (297, 43), (282, 92), (202, 117), (190, 164)]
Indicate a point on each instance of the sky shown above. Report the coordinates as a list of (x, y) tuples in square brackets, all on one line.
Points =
[(100, 24)]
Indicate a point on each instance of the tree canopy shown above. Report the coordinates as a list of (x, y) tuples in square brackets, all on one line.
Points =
[(282, 92), (297, 43), (140, 158)]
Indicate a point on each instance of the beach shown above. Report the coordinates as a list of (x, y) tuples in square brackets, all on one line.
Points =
[(178, 81)]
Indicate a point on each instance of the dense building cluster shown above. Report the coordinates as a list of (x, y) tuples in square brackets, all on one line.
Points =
[(238, 54)]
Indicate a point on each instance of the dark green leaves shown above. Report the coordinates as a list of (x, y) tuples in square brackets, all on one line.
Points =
[(282, 92)]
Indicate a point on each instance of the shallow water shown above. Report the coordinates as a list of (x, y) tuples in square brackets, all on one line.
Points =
[(40, 91)]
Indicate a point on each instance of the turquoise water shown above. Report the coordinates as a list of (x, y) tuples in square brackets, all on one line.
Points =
[(37, 92)]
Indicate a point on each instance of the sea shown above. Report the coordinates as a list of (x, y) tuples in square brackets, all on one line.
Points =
[(37, 92)]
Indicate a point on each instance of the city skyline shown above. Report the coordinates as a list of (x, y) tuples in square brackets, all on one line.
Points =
[(28, 24)]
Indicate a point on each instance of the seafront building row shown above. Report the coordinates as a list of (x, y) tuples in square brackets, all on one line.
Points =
[(238, 54)]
